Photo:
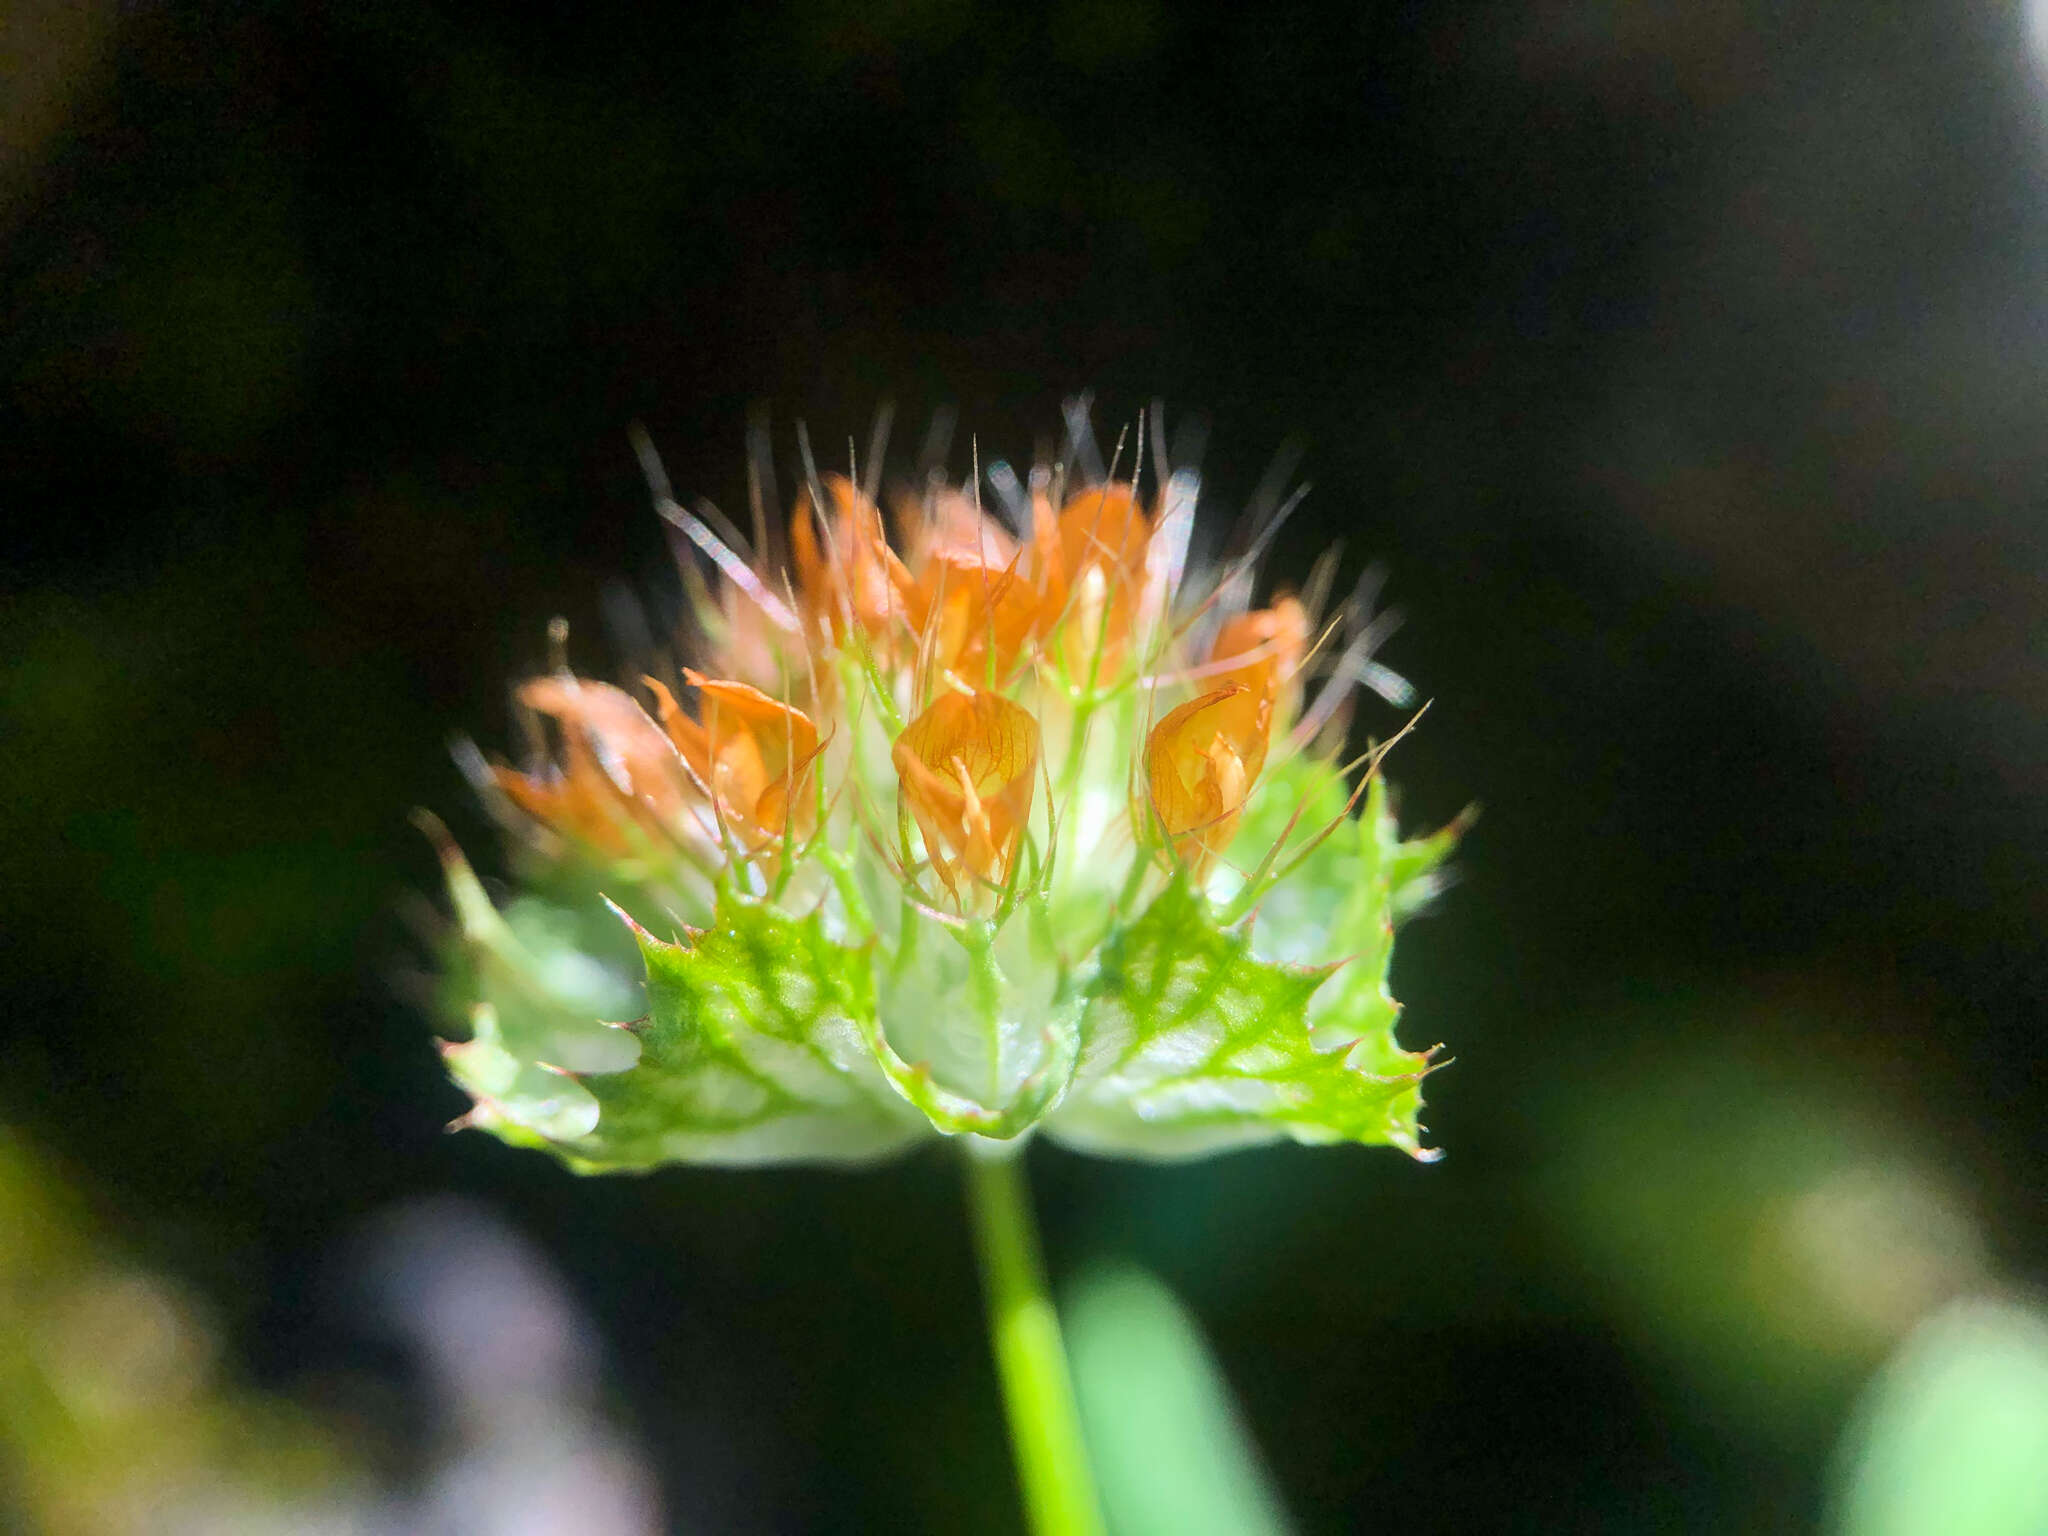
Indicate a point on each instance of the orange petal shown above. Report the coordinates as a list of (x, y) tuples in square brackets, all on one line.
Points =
[(616, 765), (967, 767), (752, 752), (947, 522), (573, 806), (979, 612), (849, 576), (1091, 573), (1104, 526), (1200, 761), (1270, 643)]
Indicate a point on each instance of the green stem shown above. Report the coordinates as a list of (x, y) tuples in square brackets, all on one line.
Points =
[(1024, 1331)]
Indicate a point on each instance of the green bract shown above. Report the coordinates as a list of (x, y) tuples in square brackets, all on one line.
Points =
[(762, 1039)]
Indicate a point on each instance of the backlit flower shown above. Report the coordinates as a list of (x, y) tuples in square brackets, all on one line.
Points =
[(1200, 761), (734, 953), (853, 919), (1264, 649), (967, 767), (618, 775), (843, 569), (948, 522), (978, 616), (1091, 575), (749, 753)]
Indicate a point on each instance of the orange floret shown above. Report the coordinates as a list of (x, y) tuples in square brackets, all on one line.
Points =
[(967, 767), (616, 768), (978, 616), (750, 753), (1203, 758), (948, 522), (1200, 761), (1090, 568), (848, 576), (1267, 644)]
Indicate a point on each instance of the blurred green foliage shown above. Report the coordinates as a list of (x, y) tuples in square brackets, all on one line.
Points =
[(1767, 1219), (1171, 1452), (116, 1415), (1953, 1434)]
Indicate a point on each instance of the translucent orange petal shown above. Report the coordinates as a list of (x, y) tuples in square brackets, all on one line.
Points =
[(979, 611), (1271, 642), (947, 522), (616, 765), (848, 574), (1105, 526), (1090, 574), (1200, 761), (968, 767), (574, 806), (753, 753)]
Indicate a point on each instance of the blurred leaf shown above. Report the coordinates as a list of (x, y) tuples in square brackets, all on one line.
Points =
[(1171, 1453), (1759, 1218), (1953, 1435), (113, 1416)]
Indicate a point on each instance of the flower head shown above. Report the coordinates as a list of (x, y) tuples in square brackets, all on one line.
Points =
[(961, 835)]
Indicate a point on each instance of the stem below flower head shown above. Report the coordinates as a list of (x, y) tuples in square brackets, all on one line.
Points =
[(1031, 1360)]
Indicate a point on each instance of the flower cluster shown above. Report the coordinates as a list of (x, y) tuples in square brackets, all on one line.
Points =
[(970, 825)]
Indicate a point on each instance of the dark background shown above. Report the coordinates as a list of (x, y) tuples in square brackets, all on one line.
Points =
[(1686, 365)]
